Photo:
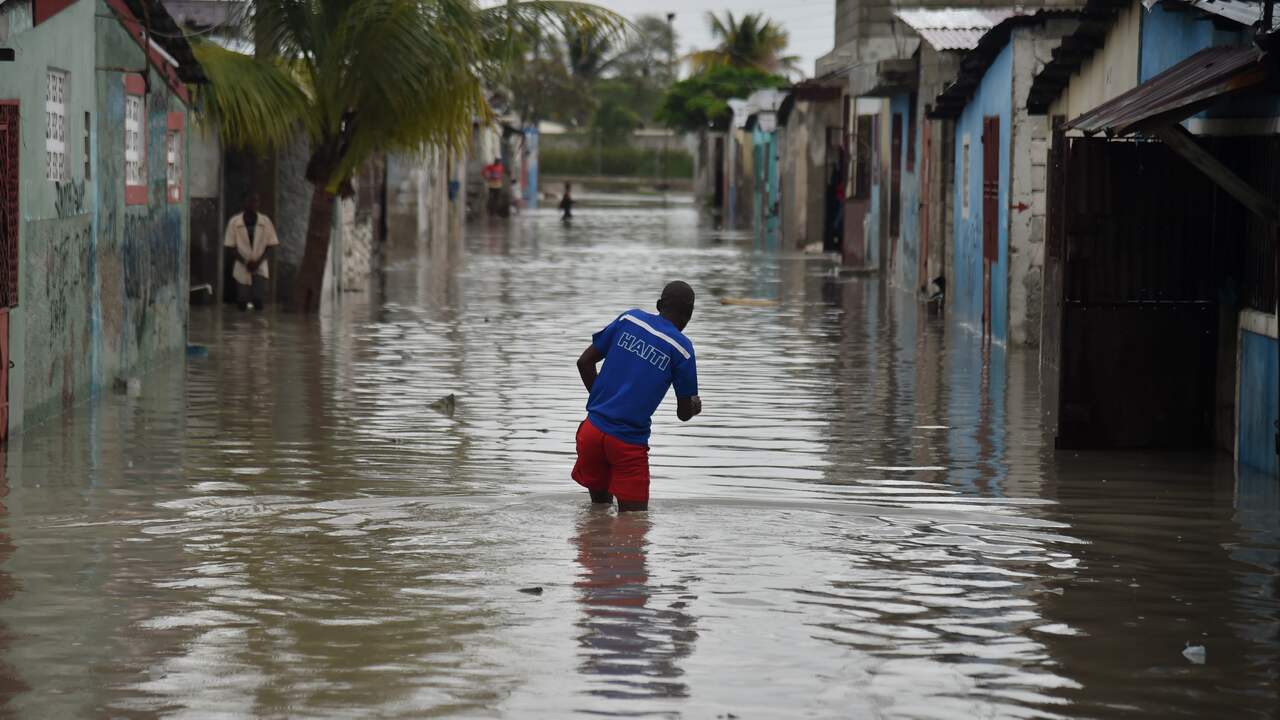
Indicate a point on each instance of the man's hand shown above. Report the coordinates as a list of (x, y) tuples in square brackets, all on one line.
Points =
[(587, 365), (688, 407)]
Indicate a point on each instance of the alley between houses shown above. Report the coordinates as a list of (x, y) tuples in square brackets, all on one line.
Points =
[(867, 521)]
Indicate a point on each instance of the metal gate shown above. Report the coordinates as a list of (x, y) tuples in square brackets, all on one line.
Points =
[(8, 246), (1141, 261)]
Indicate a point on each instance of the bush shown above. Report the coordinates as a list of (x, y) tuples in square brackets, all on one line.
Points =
[(619, 161)]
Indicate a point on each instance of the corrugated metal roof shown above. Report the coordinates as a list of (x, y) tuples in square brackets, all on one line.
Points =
[(1178, 92), (953, 28), (1245, 12)]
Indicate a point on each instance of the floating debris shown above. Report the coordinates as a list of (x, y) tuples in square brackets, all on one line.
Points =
[(446, 404), (1194, 653), (537, 590)]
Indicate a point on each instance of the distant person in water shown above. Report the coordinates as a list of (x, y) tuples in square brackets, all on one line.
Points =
[(566, 203), (644, 355), (251, 241)]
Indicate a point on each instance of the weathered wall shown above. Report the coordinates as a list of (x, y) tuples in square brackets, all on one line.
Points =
[(906, 250), (992, 98), (292, 211), (937, 70), (1111, 70), (1029, 173), (794, 182), (1256, 392), (103, 286), (142, 249), (51, 330)]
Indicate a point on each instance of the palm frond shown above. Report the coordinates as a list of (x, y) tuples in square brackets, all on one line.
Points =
[(252, 103)]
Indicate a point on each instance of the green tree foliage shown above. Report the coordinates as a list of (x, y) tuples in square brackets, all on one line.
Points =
[(752, 42), (701, 102), (594, 79), (364, 76)]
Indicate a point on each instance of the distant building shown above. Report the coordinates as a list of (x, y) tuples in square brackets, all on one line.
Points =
[(93, 198)]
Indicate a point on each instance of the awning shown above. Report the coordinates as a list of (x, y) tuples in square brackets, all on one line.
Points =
[(1177, 93)]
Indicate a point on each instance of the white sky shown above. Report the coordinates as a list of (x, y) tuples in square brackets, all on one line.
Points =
[(811, 23)]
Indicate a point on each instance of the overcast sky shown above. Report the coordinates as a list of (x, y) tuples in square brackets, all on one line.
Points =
[(811, 23)]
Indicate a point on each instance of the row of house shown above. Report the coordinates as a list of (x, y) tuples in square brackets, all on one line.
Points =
[(1096, 180), (114, 199)]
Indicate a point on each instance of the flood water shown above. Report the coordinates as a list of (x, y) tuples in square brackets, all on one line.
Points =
[(867, 521)]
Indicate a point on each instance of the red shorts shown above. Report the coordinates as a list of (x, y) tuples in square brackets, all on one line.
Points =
[(609, 464)]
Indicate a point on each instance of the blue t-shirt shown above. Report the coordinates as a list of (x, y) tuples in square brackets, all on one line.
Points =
[(644, 356)]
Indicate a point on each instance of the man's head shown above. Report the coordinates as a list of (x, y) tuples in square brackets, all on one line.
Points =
[(496, 161), (250, 203), (676, 303)]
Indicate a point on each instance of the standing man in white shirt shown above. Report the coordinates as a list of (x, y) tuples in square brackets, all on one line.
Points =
[(251, 241)]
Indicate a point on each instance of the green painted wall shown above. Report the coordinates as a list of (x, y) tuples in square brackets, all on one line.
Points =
[(103, 288)]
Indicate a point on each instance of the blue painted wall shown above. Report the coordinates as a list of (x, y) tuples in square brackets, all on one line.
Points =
[(993, 97), (1257, 411), (908, 251), (1169, 37)]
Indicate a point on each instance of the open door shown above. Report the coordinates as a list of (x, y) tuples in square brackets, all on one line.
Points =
[(8, 246), (990, 214)]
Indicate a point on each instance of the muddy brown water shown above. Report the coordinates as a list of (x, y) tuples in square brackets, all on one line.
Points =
[(868, 520)]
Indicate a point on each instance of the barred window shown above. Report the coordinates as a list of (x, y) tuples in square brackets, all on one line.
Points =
[(173, 165), (57, 166), (134, 164)]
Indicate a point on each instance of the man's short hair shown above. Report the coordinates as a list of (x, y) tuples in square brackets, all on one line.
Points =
[(678, 293)]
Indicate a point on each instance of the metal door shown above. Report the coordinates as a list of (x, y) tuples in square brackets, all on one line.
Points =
[(990, 213), (1141, 259)]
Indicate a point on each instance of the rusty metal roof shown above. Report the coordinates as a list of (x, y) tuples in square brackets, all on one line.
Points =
[(953, 29), (1177, 93)]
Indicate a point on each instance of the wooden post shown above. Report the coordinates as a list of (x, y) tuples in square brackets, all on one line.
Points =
[(1185, 144)]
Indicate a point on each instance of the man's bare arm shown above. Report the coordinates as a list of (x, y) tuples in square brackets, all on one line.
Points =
[(688, 407), (587, 365)]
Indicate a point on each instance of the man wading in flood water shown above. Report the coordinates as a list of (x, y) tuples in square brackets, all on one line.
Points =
[(644, 354)]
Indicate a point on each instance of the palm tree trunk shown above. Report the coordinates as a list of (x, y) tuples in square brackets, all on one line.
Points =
[(310, 282)]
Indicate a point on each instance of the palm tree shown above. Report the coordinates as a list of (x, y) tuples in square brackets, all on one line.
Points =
[(360, 77), (754, 42)]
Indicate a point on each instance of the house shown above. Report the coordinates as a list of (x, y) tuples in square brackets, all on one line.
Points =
[(1160, 268), (999, 161), (93, 186), (811, 164), (880, 58)]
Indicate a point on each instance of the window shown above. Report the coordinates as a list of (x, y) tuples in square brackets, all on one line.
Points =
[(173, 158), (87, 152), (135, 146), (57, 167), (964, 188)]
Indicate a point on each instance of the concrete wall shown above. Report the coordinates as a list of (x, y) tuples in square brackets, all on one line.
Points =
[(937, 70), (104, 286), (906, 254), (804, 171), (1028, 178), (992, 98), (1111, 70), (1256, 392)]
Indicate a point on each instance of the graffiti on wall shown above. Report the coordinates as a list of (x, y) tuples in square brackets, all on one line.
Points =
[(61, 272), (70, 198)]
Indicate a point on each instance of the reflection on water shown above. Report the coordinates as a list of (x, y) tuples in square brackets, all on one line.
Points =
[(867, 521), (632, 646)]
